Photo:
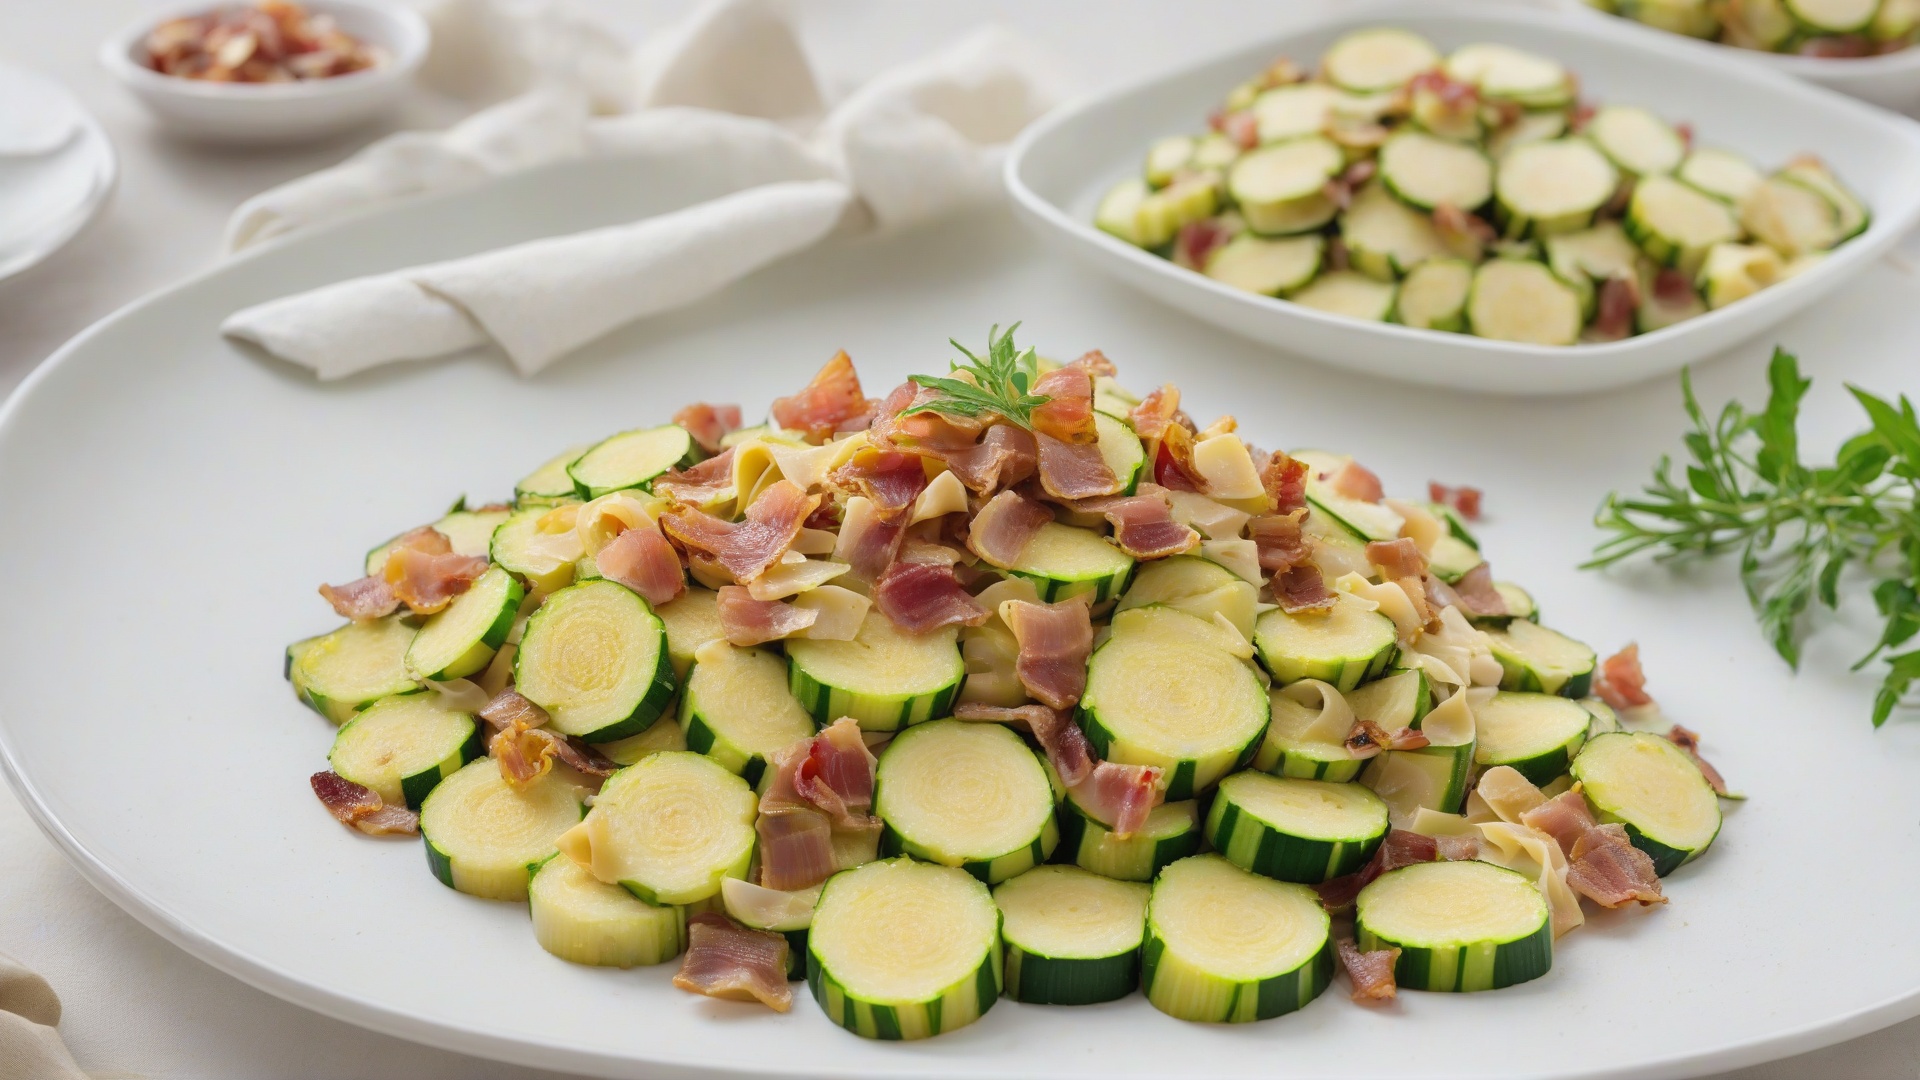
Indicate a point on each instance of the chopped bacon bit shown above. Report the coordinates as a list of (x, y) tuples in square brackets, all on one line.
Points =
[(1670, 286), (1369, 738), (868, 545), (890, 481), (1355, 482), (796, 847), (1173, 466), (1068, 413), (701, 484), (1151, 417), (747, 621), (1475, 594), (1302, 589), (727, 960), (1463, 234), (1690, 742), (1286, 482), (509, 709), (830, 773), (708, 423), (1371, 972), (367, 598), (1094, 362), (1121, 796), (1143, 525), (922, 596), (1620, 682), (360, 807), (429, 582), (1466, 500), (1400, 848), (1196, 242), (1004, 456), (1243, 128), (1055, 641), (1280, 541), (1340, 189), (831, 402), (1564, 817), (1002, 528), (1397, 559), (1606, 868), (746, 549), (1581, 116), (1074, 470), (642, 560)]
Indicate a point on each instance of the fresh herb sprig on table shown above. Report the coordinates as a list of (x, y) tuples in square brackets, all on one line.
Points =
[(1796, 526), (999, 383)]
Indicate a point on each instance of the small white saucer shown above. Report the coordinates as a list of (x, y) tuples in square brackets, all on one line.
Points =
[(56, 168)]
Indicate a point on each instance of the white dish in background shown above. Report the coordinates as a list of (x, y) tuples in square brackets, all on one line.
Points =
[(57, 168), (1892, 80), (148, 730), (1060, 166), (276, 113)]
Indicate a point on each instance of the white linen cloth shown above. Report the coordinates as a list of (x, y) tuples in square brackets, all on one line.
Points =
[(728, 84)]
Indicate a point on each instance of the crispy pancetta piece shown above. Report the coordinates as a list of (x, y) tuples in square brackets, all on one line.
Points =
[(1618, 301), (1005, 455), (1564, 817), (351, 804), (727, 960), (1690, 742), (888, 480), (525, 748), (1055, 641), (642, 560), (1474, 592), (746, 548), (1400, 848), (1606, 868), (1143, 525), (831, 402), (1173, 466), (1285, 480), (1002, 528), (747, 621), (368, 598), (1620, 682), (831, 772), (868, 545), (1280, 542), (1074, 470), (921, 594), (699, 485), (1068, 412), (509, 709), (1371, 972), (1152, 416), (1369, 738), (796, 847), (708, 424), (1095, 362), (1355, 482), (1121, 796), (1397, 559), (379, 595), (1300, 589), (1466, 500), (427, 583)]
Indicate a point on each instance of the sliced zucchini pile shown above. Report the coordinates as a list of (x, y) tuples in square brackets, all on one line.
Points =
[(1112, 764), (1473, 192)]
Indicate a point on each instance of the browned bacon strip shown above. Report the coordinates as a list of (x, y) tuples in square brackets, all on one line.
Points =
[(351, 804), (1369, 738), (1355, 482), (1475, 594), (1464, 499), (1143, 525), (708, 423), (1620, 682), (1371, 972), (868, 545), (1004, 456), (642, 560), (931, 433), (727, 960), (1074, 470), (747, 621), (746, 548), (1400, 848), (367, 598), (1286, 482), (1606, 868), (888, 480), (1120, 795), (924, 595), (796, 848), (831, 772), (1564, 817), (1000, 531), (1151, 417), (376, 596), (427, 583), (1055, 641), (1690, 742), (1301, 589), (701, 484), (831, 402), (1095, 362), (1279, 540), (1173, 466), (1068, 413), (1397, 559)]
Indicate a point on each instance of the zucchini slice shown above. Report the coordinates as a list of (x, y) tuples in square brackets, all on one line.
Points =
[(968, 795), (1368, 521), (1536, 658), (1426, 170), (1394, 701), (904, 950), (1522, 300), (1505, 73), (1294, 111), (1650, 786), (1452, 558), (468, 532), (1063, 561), (1280, 189), (1810, 172), (1790, 217), (520, 548), (1553, 185), (1349, 293), (1529, 128), (1736, 271), (1519, 603), (1308, 831), (1344, 647), (595, 658), (788, 914), (400, 748), (1593, 256), (1288, 749), (692, 619), (1459, 926), (631, 459), (1833, 16), (1120, 448), (1172, 832), (736, 708), (1537, 734), (1434, 777), (1271, 267), (1227, 945), (1161, 214), (1377, 59), (1166, 157), (1723, 174), (549, 484), (1675, 224), (1119, 210), (1200, 587), (664, 734), (482, 836), (340, 673), (1433, 295), (1693, 18), (885, 678), (1636, 140), (461, 638), (1072, 938), (1385, 238), (1162, 692), (669, 828), (581, 919)]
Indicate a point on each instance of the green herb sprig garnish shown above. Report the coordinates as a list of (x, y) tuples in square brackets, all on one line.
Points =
[(1796, 527), (1000, 383)]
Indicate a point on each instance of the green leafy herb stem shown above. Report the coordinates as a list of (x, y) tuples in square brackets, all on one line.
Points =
[(1796, 527), (996, 385)]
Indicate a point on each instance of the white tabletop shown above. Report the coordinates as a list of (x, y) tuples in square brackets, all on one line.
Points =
[(135, 1005)]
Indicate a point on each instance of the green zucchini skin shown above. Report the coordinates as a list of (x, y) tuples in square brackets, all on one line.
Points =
[(961, 1004), (1272, 759), (1464, 970), (1053, 589), (1044, 980), (1263, 999), (990, 871), (828, 703), (701, 739), (1184, 781), (420, 784), (1254, 845), (1089, 844)]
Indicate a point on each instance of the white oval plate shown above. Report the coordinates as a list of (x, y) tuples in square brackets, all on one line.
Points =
[(1060, 167), (171, 502)]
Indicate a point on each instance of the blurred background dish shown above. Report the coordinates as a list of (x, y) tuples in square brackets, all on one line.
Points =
[(56, 168), (271, 73)]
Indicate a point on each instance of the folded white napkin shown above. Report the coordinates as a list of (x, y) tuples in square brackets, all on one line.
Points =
[(728, 91)]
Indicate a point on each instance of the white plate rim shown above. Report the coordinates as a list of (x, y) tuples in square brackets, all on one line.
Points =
[(106, 180)]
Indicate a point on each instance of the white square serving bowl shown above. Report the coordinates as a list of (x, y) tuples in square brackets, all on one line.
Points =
[(1060, 166)]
